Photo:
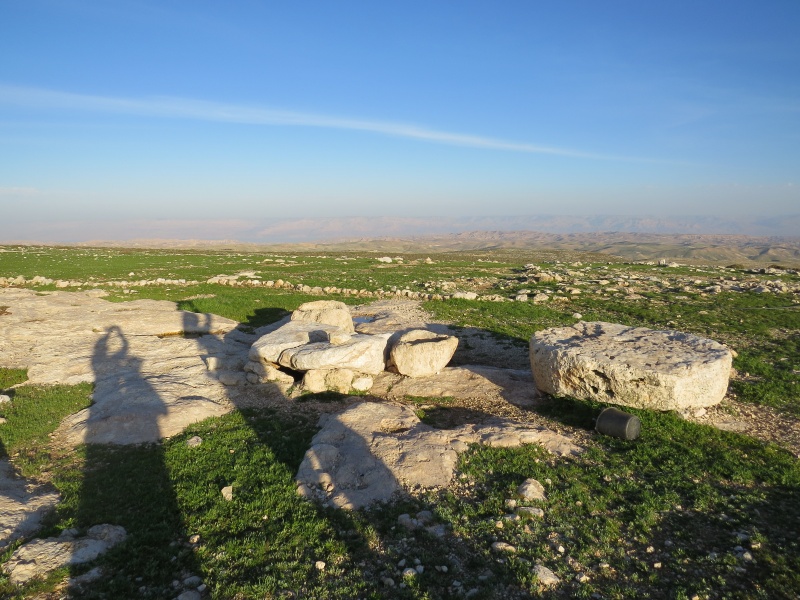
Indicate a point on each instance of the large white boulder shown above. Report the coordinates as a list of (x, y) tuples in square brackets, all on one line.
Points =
[(419, 352), (328, 312), (630, 366), (363, 353)]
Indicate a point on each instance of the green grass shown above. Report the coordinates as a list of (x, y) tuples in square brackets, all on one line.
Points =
[(34, 413), (9, 377), (683, 490), (689, 492)]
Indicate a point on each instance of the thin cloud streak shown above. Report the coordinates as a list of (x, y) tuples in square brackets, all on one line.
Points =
[(184, 108)]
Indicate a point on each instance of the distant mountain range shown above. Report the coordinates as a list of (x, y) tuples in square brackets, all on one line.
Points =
[(688, 239), (315, 229)]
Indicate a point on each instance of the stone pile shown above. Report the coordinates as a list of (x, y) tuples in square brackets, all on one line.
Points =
[(321, 341)]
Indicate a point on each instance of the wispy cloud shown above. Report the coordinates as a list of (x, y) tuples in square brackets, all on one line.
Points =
[(186, 108), (17, 192)]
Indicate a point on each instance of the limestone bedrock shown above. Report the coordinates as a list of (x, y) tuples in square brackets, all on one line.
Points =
[(23, 505), (151, 378), (630, 366), (372, 451), (39, 557)]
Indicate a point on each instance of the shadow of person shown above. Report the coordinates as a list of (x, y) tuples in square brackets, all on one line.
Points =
[(125, 483)]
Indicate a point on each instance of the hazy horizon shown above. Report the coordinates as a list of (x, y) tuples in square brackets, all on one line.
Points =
[(116, 118), (309, 230)]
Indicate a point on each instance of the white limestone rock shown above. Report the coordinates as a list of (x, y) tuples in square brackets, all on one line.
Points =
[(267, 373), (630, 366), (372, 451), (327, 312), (419, 352), (150, 380), (22, 505), (268, 348), (39, 557), (364, 353)]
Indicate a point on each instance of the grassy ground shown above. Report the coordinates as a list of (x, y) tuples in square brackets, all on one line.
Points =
[(684, 511)]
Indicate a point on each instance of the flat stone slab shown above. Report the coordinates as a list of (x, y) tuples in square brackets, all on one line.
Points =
[(630, 366), (363, 353), (468, 381), (372, 451), (22, 505), (156, 369), (288, 334), (39, 557)]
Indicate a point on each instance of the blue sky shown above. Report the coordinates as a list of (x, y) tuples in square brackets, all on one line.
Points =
[(115, 111)]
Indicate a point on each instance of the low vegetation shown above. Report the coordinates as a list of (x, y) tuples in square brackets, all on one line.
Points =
[(685, 511)]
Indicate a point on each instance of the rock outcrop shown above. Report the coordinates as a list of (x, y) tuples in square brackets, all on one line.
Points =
[(22, 505), (630, 366), (155, 369), (39, 557), (371, 451)]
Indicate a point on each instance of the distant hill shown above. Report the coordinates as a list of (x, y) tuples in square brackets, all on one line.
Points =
[(686, 239)]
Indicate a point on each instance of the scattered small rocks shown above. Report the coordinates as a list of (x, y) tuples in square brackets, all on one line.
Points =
[(194, 441), (227, 492)]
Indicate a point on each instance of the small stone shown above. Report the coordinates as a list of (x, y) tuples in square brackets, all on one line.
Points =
[(530, 511), (499, 524), (388, 581), (577, 315), (511, 503), (545, 576), (503, 547), (409, 572), (189, 595), (746, 556), (650, 549), (202, 588), (581, 578), (425, 516), (530, 489), (227, 492), (4, 398), (193, 581), (194, 539), (402, 563), (194, 441), (362, 383), (320, 565), (657, 565), (420, 569)]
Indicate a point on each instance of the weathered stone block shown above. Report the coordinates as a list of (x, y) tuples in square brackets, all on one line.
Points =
[(630, 366)]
